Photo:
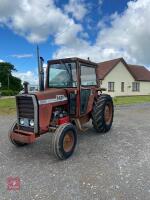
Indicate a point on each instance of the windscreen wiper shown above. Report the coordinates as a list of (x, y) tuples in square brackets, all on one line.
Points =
[(69, 71)]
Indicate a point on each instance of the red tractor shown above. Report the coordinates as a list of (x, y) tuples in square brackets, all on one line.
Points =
[(70, 98)]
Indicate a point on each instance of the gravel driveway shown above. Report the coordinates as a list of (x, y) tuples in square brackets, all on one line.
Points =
[(114, 166)]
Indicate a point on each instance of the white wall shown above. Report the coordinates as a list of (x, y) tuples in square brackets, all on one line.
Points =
[(144, 88), (121, 74)]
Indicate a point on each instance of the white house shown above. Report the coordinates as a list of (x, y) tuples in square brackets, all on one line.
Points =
[(33, 88), (122, 79)]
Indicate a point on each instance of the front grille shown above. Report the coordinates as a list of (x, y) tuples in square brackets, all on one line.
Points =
[(25, 107)]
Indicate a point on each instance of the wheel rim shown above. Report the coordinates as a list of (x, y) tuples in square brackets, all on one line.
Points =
[(10, 136), (11, 132), (108, 113), (68, 141)]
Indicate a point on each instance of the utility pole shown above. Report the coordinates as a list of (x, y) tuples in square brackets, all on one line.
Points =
[(8, 79)]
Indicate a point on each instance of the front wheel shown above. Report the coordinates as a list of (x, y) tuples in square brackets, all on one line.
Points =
[(102, 114), (14, 142), (64, 141)]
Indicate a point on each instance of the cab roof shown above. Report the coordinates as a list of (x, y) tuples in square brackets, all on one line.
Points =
[(73, 59)]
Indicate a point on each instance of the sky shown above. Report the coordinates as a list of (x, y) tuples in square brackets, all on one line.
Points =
[(99, 29)]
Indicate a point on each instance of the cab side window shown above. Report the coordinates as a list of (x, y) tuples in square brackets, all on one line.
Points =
[(88, 75)]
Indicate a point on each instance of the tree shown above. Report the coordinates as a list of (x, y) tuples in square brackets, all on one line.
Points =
[(7, 80)]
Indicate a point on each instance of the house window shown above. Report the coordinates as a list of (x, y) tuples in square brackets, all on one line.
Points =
[(111, 86), (122, 86), (135, 87)]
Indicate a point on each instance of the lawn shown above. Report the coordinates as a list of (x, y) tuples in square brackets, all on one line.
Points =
[(131, 100), (7, 106)]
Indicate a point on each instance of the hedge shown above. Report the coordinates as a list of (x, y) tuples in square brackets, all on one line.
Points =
[(8, 92)]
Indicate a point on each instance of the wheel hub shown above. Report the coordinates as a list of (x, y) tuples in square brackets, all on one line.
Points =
[(68, 141), (108, 113)]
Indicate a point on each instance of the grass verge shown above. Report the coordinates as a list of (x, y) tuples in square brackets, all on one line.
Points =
[(127, 100), (7, 106)]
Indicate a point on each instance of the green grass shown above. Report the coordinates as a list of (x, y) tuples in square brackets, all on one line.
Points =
[(7, 106), (131, 100)]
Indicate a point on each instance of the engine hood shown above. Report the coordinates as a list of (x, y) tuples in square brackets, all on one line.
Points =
[(51, 96)]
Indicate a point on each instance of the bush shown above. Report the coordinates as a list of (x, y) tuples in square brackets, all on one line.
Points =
[(8, 92)]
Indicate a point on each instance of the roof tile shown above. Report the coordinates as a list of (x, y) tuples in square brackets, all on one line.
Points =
[(140, 73)]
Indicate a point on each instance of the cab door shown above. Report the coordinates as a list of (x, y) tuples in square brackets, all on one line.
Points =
[(87, 88)]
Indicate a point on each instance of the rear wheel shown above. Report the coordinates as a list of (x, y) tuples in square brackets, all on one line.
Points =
[(14, 142), (102, 114), (64, 141)]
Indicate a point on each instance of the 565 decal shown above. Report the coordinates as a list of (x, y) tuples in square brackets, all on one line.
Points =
[(60, 97), (57, 99)]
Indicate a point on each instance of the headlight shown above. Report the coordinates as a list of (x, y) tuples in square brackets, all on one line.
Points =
[(31, 122), (22, 121)]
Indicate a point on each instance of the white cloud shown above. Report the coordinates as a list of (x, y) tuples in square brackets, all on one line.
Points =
[(36, 20), (128, 37), (100, 3), (128, 34), (68, 36), (22, 55), (77, 8), (28, 76), (2, 61)]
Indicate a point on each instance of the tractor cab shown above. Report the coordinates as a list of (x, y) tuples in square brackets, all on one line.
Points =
[(78, 78)]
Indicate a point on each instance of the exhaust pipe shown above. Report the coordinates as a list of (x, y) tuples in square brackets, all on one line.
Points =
[(41, 71), (25, 84), (41, 75)]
